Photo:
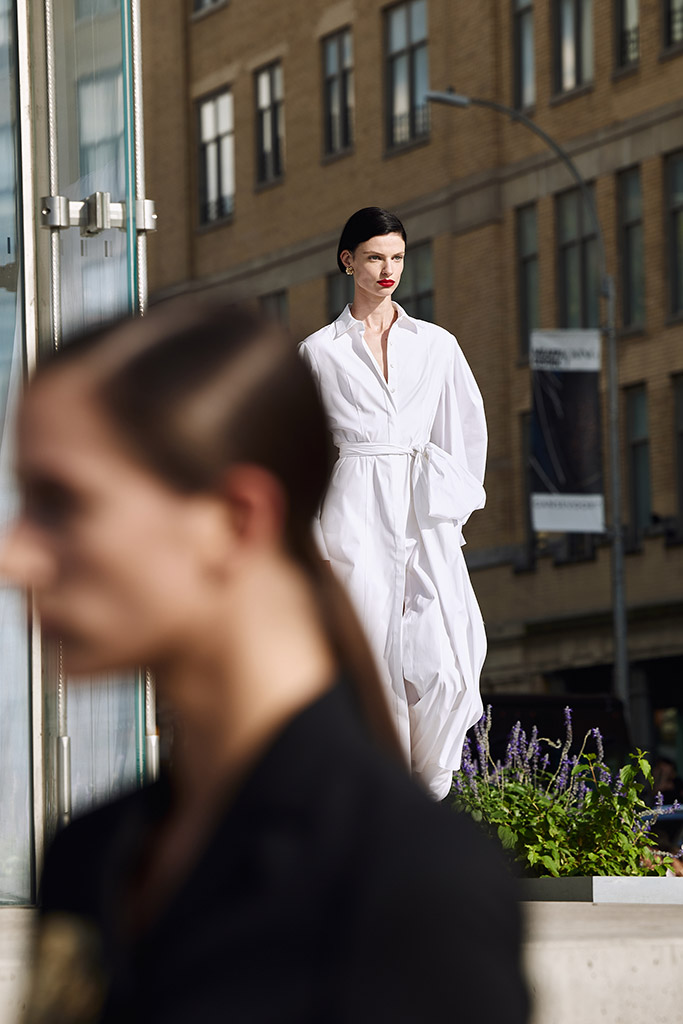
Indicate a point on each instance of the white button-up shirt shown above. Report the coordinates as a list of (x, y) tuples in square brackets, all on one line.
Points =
[(412, 452)]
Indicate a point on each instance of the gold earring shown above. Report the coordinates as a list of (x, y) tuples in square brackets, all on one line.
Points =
[(349, 271)]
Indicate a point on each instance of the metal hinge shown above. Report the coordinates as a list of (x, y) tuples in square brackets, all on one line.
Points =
[(94, 214)]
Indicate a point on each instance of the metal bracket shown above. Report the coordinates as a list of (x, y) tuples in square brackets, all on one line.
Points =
[(94, 214)]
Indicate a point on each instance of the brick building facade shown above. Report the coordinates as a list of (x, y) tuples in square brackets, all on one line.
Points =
[(267, 124)]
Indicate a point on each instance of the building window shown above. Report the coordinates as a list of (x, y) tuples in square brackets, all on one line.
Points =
[(101, 132), (270, 126), (407, 72), (673, 22), (527, 555), (216, 158), (628, 32), (338, 91), (275, 305), (577, 264), (339, 294), (202, 5), (631, 248), (527, 275), (638, 453), (678, 427), (416, 289), (525, 68), (674, 198), (573, 44), (96, 8)]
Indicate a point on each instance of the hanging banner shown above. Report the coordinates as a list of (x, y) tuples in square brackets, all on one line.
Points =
[(566, 457)]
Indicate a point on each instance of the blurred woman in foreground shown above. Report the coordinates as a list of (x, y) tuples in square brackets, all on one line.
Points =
[(286, 869)]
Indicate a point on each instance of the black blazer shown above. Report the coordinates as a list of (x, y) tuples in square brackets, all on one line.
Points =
[(331, 891)]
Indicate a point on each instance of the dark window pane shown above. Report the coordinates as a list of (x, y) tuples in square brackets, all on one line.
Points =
[(407, 72)]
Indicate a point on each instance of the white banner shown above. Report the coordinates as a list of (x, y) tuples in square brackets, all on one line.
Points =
[(568, 513), (566, 351)]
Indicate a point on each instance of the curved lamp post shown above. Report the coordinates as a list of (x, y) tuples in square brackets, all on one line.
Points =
[(621, 683)]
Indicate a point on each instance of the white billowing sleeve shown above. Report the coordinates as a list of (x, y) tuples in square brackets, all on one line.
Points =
[(459, 425), (309, 359)]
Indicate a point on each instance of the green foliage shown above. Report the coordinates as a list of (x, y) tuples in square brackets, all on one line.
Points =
[(575, 820)]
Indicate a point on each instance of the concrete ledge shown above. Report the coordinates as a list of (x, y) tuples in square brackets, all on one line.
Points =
[(588, 963), (603, 889)]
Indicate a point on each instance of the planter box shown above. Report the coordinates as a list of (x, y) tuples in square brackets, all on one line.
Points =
[(602, 889)]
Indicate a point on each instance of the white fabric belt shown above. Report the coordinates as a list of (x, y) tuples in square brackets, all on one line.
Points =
[(443, 488)]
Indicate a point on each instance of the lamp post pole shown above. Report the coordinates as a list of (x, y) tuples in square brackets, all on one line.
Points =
[(621, 680)]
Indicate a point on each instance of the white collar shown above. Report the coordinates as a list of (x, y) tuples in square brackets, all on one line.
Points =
[(346, 321)]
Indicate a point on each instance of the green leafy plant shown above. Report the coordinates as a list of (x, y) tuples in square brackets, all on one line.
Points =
[(573, 819)]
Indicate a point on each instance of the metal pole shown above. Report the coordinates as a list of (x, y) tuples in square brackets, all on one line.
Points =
[(621, 681)]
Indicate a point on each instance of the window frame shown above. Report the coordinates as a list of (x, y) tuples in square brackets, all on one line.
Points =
[(622, 60), (264, 176), (672, 212), (524, 325), (346, 78), (581, 78), (625, 229), (668, 41), (635, 444), (677, 381), (518, 16), (226, 216), (414, 135), (583, 239), (417, 297)]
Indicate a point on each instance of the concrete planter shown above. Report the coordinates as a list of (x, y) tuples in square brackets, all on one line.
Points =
[(602, 889)]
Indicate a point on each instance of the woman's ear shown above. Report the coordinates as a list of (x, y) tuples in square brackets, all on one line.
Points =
[(256, 504)]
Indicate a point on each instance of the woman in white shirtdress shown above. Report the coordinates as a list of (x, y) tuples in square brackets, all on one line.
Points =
[(408, 420)]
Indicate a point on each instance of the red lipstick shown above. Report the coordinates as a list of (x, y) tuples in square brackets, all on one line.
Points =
[(386, 282)]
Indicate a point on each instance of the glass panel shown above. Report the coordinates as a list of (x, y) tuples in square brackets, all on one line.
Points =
[(207, 121), (94, 146), (418, 21), (676, 26), (571, 284), (531, 294), (567, 44), (421, 86), (641, 485), (15, 744), (347, 49), (228, 172), (278, 83), (527, 60), (398, 29), (424, 307), (635, 276), (631, 15), (630, 195), (334, 114), (636, 416), (592, 317), (568, 227), (586, 40), (211, 181), (339, 293), (677, 179), (424, 273), (331, 56), (678, 262), (263, 88), (401, 100), (527, 231), (224, 113)]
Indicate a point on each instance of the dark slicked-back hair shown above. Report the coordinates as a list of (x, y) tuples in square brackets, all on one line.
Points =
[(194, 387), (364, 224)]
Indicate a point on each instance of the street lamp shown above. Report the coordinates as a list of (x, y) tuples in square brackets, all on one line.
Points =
[(621, 683)]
